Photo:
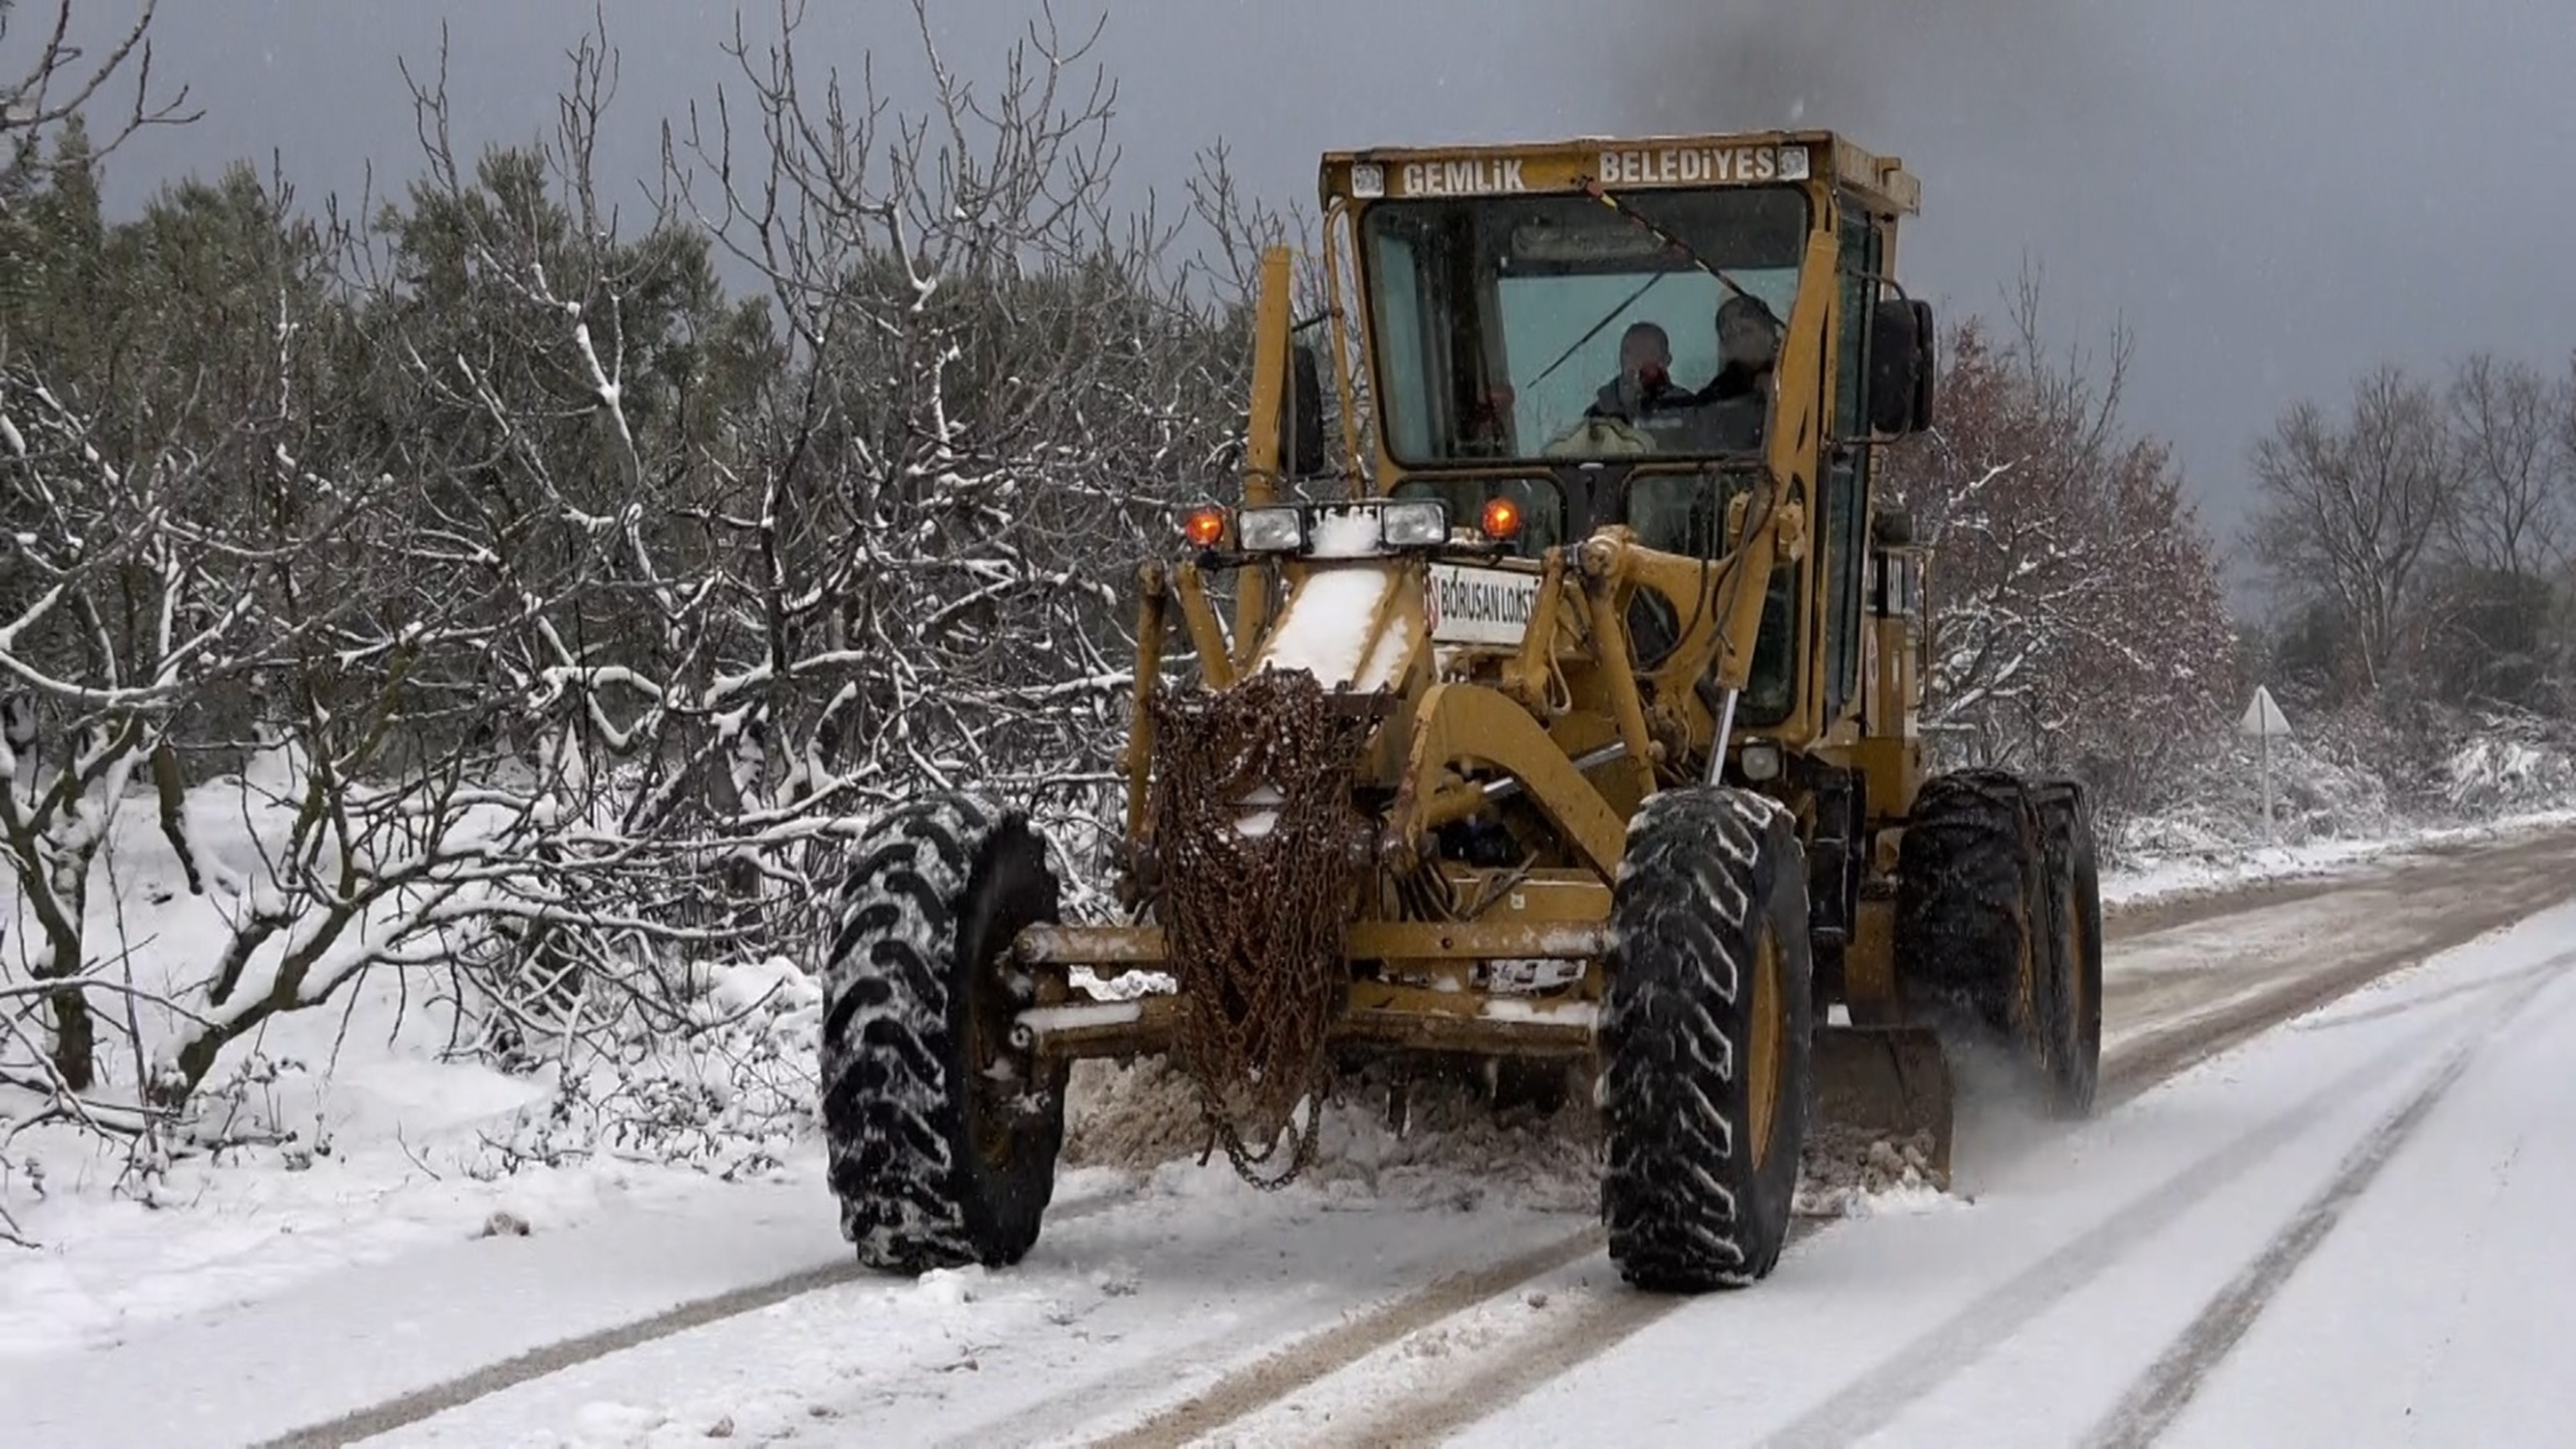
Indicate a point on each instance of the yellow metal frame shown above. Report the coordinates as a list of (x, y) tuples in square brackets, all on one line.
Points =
[(1561, 724)]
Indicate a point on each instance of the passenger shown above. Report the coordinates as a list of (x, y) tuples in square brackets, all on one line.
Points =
[(1748, 348), (1737, 401)]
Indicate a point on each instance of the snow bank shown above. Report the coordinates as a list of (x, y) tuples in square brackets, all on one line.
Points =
[(218, 1232), (2225, 868), (2516, 769), (2354, 790), (2316, 796), (411, 1079)]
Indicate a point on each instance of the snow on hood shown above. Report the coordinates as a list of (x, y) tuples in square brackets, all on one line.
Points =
[(1326, 626)]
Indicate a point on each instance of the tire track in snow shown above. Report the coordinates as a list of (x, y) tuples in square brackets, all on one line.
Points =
[(1594, 1323), (2446, 903), (1064, 1412), (1283, 1372), (1884, 1393), (2343, 1020), (2169, 1384), (1602, 1324), (554, 1358), (2167, 1052), (1590, 1329), (563, 1354)]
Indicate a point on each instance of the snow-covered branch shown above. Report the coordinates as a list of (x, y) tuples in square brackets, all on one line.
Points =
[(2074, 594), (485, 598)]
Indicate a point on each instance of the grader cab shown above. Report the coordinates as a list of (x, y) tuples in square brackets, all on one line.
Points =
[(1568, 716)]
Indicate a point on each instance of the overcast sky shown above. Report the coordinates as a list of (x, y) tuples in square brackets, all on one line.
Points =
[(2273, 194)]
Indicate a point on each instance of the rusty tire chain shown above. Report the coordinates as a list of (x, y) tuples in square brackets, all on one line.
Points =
[(1254, 923)]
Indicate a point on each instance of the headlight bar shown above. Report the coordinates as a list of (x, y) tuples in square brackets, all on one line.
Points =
[(1343, 530)]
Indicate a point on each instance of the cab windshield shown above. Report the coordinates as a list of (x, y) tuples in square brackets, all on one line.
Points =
[(1500, 320)]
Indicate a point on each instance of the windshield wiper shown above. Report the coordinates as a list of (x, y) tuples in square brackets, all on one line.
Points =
[(1593, 188)]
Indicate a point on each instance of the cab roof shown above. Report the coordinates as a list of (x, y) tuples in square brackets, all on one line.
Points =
[(1615, 162)]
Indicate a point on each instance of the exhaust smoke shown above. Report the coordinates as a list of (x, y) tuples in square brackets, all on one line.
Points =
[(1873, 67)]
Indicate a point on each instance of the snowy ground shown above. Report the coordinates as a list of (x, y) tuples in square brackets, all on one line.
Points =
[(1445, 1275), (2342, 1234), (2153, 879)]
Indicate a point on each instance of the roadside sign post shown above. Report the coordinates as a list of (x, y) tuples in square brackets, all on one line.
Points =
[(2264, 720)]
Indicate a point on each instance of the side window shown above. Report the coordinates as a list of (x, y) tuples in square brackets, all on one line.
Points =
[(1847, 476), (1401, 352), (1859, 263)]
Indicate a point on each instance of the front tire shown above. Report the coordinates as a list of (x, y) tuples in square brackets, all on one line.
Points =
[(1705, 1041), (942, 1144)]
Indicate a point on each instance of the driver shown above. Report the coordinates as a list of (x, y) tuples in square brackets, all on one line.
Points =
[(1645, 382)]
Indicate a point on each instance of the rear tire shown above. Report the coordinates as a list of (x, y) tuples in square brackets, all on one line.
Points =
[(1999, 928), (1705, 1036), (1971, 909), (936, 1162), (2071, 995)]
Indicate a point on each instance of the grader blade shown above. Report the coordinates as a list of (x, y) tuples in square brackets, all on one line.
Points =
[(1887, 1084)]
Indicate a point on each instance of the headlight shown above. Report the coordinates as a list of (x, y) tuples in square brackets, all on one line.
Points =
[(1416, 524), (1760, 761), (1270, 530)]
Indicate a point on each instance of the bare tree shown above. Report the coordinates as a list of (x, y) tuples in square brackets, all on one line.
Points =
[(2514, 506), (997, 393), (206, 551), (2562, 447), (542, 615), (2073, 593), (60, 82), (868, 533), (2354, 510)]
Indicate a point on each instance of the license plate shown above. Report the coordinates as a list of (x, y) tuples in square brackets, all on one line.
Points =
[(1468, 605)]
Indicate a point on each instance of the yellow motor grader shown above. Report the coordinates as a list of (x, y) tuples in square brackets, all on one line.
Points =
[(1568, 716)]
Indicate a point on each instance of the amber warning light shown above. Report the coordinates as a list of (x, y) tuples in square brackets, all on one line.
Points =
[(1205, 527), (1502, 518)]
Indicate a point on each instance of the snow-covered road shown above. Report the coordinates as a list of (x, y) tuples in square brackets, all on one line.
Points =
[(2338, 1230), (2305, 1242)]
